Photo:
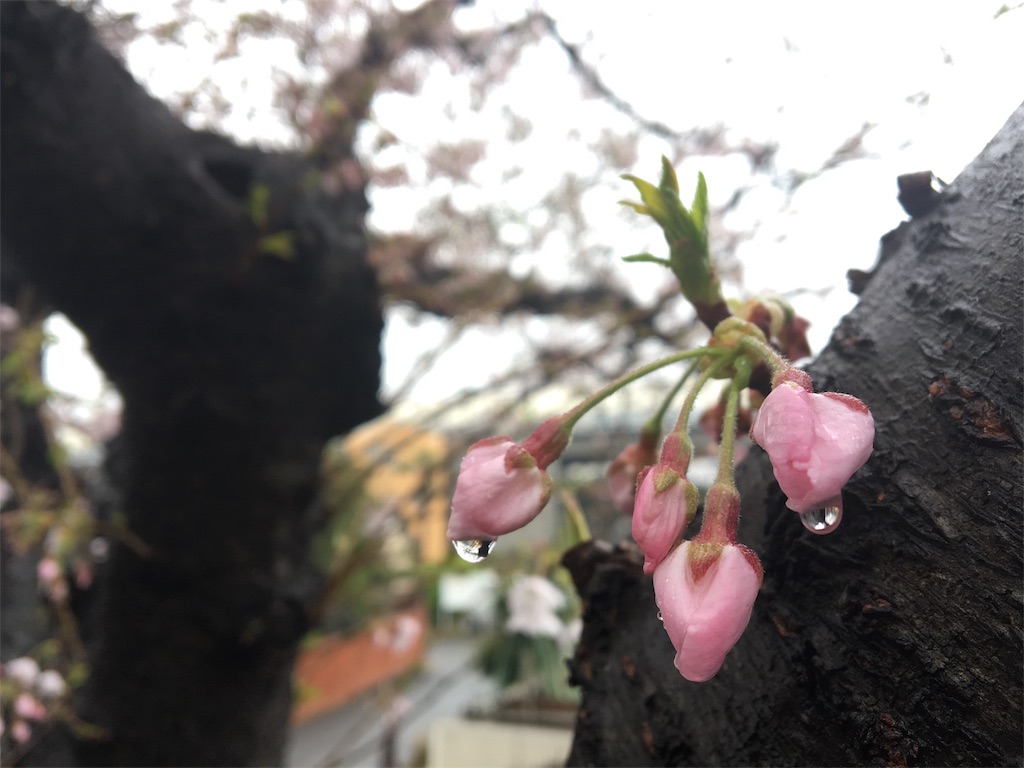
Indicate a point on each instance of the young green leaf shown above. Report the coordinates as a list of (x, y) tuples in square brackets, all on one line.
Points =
[(647, 258)]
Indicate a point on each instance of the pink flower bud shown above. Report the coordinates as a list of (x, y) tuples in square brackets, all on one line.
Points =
[(662, 511), (622, 473), (28, 707), (815, 441), (500, 489), (621, 479), (9, 318), (21, 731), (48, 570), (705, 593)]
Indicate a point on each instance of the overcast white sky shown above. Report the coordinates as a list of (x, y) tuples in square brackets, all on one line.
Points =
[(936, 79)]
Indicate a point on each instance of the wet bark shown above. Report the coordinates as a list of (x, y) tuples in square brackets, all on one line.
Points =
[(895, 640), (236, 361)]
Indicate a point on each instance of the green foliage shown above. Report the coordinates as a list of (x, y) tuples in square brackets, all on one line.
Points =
[(685, 230), (259, 205), (514, 658), (535, 663), (648, 258), (280, 244), (20, 367), (354, 551)]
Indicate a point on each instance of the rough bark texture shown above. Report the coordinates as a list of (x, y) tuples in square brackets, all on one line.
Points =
[(235, 365), (897, 639)]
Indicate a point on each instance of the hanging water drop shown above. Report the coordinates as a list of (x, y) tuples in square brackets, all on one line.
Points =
[(660, 617), (826, 520), (474, 550)]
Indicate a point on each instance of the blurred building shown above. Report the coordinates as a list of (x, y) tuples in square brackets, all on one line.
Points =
[(408, 472)]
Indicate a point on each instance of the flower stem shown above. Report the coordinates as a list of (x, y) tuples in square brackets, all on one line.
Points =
[(726, 468), (677, 448), (653, 424), (775, 362), (576, 413), (682, 423), (577, 520)]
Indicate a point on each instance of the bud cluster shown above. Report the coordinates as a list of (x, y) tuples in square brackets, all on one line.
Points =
[(705, 587)]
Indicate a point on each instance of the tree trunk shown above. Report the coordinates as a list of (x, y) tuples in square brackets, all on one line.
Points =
[(235, 359), (895, 640)]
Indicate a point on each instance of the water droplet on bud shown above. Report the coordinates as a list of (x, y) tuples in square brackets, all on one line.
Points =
[(822, 521), (474, 550)]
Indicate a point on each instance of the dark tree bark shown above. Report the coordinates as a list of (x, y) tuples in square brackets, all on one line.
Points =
[(895, 640), (235, 365)]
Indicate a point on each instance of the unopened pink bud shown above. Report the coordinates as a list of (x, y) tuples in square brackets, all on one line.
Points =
[(21, 731), (83, 575), (623, 473), (705, 593), (815, 441), (48, 570), (500, 489), (9, 318), (661, 513), (27, 706)]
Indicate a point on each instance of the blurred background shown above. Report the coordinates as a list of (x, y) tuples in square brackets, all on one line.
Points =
[(493, 142)]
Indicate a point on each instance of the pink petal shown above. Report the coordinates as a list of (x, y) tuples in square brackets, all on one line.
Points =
[(704, 619), (495, 495)]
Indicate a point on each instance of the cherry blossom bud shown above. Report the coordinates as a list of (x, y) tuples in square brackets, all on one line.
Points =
[(9, 319), (793, 338), (705, 593), (21, 731), (48, 570), (622, 473), (83, 575), (27, 706), (500, 489), (665, 504), (621, 478), (815, 441)]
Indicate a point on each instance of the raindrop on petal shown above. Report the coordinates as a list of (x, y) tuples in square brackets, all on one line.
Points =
[(474, 550), (660, 617), (826, 520)]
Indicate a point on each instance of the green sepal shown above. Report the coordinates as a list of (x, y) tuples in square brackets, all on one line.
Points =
[(692, 502)]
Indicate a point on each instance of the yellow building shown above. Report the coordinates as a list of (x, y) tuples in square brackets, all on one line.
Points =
[(406, 471)]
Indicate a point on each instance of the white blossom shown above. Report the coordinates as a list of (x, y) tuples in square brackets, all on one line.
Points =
[(50, 684), (533, 603), (23, 669)]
